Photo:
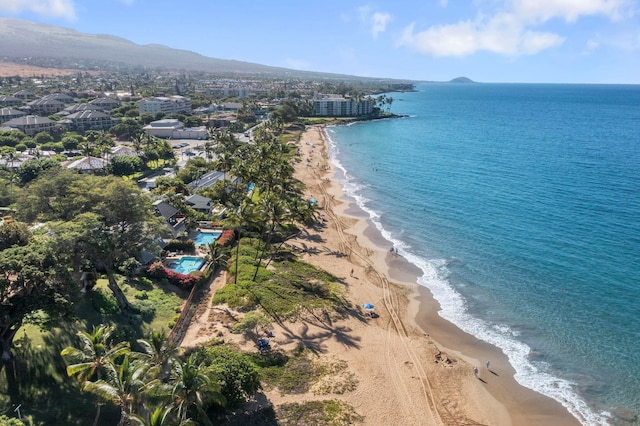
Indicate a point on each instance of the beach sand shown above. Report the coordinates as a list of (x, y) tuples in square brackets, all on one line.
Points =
[(412, 367)]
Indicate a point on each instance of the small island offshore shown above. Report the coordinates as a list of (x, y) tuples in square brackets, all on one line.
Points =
[(461, 80)]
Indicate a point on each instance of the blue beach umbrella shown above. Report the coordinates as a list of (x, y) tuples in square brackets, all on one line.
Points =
[(368, 306)]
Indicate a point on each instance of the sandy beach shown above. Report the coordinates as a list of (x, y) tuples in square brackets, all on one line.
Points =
[(411, 367)]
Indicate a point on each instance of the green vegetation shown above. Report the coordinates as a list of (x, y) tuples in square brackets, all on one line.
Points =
[(72, 342), (328, 412), (284, 291)]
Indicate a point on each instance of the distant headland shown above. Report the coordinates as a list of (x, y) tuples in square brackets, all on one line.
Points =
[(461, 80)]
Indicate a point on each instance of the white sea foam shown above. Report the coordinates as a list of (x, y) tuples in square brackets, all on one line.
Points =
[(453, 308)]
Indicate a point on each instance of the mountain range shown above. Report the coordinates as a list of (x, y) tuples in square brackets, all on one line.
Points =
[(27, 39)]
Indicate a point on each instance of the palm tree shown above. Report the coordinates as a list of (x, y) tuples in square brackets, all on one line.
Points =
[(238, 219), (194, 389), (160, 416), (217, 254), (123, 385), (158, 353), (271, 214), (92, 356), (208, 150)]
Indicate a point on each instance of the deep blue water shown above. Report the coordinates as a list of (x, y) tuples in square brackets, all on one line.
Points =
[(521, 205)]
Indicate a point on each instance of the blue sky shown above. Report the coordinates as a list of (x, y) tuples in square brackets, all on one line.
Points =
[(557, 41)]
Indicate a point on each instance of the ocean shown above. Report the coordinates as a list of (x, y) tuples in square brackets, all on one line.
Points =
[(520, 203)]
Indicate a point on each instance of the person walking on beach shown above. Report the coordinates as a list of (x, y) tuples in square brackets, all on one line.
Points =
[(475, 371), (488, 365), (351, 272)]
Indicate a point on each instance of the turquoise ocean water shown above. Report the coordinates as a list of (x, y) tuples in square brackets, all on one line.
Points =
[(521, 206)]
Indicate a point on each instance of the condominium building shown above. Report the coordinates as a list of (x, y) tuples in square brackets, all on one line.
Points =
[(32, 124), (46, 106), (339, 106), (167, 105), (89, 120), (105, 103), (9, 101), (7, 114)]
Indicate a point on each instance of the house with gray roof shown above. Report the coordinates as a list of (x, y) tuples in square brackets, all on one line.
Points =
[(87, 164), (65, 99), (9, 101), (123, 150), (81, 107), (105, 103), (46, 106), (90, 120), (32, 124), (24, 94), (210, 179), (199, 203), (7, 114), (175, 221)]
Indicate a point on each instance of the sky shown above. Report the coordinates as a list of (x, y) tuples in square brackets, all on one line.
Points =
[(529, 41)]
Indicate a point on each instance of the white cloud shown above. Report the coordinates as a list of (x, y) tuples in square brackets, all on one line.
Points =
[(375, 21), (52, 8), (569, 10), (379, 23), (510, 29), (503, 35), (593, 44)]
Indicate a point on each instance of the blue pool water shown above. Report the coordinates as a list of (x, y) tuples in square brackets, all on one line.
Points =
[(187, 264), (206, 237)]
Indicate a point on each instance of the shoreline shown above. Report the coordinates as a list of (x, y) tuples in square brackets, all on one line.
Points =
[(494, 398)]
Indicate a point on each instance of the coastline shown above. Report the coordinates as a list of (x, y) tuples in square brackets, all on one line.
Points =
[(435, 370)]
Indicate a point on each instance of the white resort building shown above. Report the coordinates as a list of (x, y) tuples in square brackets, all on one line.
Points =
[(167, 105), (339, 106)]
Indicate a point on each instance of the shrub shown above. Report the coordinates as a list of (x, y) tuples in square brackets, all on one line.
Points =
[(145, 308), (104, 302), (226, 238), (141, 295), (157, 270), (237, 375), (253, 322), (178, 245)]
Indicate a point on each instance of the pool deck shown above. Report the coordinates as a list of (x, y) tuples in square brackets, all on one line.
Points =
[(204, 230)]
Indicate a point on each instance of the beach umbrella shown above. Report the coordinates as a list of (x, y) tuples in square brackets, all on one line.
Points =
[(368, 306)]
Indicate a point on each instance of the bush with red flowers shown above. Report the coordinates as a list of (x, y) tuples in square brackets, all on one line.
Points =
[(226, 238), (158, 270)]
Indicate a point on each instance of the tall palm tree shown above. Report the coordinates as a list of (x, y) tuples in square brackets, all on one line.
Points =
[(158, 352), (272, 212), (194, 389), (236, 218), (217, 254), (123, 385), (92, 356)]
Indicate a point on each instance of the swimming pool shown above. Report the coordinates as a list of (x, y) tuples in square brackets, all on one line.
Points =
[(206, 237), (186, 264)]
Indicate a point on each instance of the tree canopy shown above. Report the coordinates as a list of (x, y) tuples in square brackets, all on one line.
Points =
[(35, 287)]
